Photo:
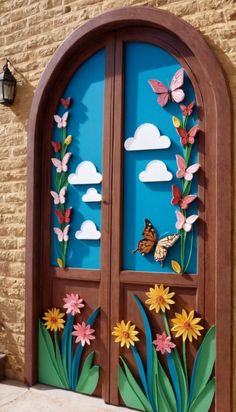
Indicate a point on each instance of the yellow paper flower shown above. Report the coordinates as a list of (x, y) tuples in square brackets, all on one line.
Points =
[(53, 319), (159, 298), (59, 262), (68, 140), (186, 325), (175, 121), (125, 334)]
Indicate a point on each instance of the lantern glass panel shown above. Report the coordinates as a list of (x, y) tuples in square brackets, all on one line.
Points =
[(1, 90), (8, 90)]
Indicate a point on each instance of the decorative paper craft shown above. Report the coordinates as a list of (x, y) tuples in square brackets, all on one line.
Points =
[(168, 388), (62, 235), (187, 110), (61, 165), (155, 171), (174, 93), (64, 217), (187, 137), (59, 198), (86, 173), (147, 137), (146, 245), (66, 102), (184, 171), (61, 121), (177, 198), (92, 195), (183, 222), (88, 231)]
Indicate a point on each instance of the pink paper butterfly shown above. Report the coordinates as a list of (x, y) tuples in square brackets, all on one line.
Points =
[(59, 198), (177, 198), (174, 93), (61, 121), (62, 234), (61, 165), (183, 222), (187, 137), (183, 171)]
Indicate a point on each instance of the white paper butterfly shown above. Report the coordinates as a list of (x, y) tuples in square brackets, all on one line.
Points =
[(183, 222), (183, 170), (61, 165), (61, 121), (62, 234), (59, 198)]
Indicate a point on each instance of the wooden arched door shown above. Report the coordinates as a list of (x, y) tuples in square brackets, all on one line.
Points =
[(112, 106)]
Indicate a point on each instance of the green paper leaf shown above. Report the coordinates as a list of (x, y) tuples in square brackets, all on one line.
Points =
[(127, 393), (136, 388), (47, 370), (204, 400), (203, 364), (166, 388), (85, 370), (61, 370), (154, 381), (182, 379), (89, 385)]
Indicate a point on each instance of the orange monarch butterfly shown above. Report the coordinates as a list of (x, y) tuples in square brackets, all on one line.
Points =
[(146, 245)]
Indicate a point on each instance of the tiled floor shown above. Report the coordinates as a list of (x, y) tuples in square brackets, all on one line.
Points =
[(15, 397)]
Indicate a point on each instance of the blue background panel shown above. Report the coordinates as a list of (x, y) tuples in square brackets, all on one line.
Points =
[(85, 124), (152, 200)]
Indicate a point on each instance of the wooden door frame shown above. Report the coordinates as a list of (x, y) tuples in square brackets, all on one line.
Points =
[(215, 96)]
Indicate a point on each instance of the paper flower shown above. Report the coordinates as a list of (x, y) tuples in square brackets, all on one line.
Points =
[(163, 343), (53, 319), (83, 333), (59, 262), (125, 334), (176, 121), (68, 140), (159, 298), (73, 303), (186, 325)]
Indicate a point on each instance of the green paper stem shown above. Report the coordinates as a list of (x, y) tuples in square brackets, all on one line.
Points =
[(188, 153), (190, 253), (185, 361), (166, 324)]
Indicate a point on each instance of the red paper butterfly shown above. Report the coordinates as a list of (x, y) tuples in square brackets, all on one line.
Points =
[(66, 102), (177, 198), (64, 217), (187, 137), (187, 110), (174, 93), (56, 146)]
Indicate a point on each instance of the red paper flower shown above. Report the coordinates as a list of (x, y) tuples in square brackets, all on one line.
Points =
[(163, 343)]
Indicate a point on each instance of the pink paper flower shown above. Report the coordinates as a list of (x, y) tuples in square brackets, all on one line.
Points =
[(83, 333), (163, 343), (73, 303)]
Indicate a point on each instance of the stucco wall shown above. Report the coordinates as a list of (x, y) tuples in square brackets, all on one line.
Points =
[(30, 33)]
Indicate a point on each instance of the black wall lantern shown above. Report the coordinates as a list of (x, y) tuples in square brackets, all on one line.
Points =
[(7, 86)]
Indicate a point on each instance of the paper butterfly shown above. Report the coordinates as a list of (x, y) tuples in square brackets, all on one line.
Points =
[(187, 137), (187, 110), (183, 222), (56, 146), (64, 217), (147, 244), (61, 165), (174, 93), (61, 121), (66, 102), (59, 198), (184, 171), (62, 234), (177, 198)]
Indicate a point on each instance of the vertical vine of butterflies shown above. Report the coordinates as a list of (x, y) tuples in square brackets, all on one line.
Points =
[(60, 161), (182, 197)]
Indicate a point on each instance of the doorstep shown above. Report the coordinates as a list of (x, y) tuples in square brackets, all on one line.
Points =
[(16, 397)]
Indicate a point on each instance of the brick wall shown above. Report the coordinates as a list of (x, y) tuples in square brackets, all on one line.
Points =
[(31, 31)]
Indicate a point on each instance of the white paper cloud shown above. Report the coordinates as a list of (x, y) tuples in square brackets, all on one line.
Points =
[(86, 173), (155, 171), (88, 231), (92, 195), (147, 137)]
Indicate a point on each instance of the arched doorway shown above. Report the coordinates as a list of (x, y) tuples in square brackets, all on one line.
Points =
[(128, 38)]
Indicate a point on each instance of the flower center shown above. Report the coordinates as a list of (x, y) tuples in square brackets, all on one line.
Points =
[(160, 299), (53, 319), (125, 334), (187, 325)]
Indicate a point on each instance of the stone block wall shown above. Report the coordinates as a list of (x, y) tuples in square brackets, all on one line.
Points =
[(31, 31)]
